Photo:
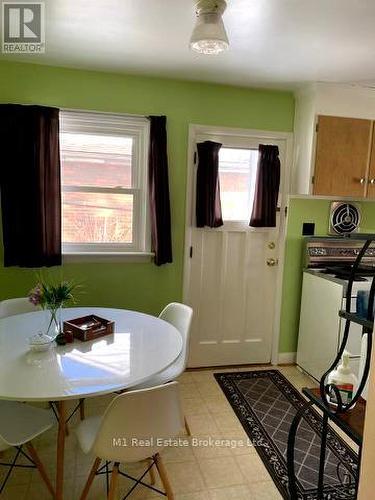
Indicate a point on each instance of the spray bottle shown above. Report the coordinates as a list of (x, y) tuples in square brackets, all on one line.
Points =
[(345, 381)]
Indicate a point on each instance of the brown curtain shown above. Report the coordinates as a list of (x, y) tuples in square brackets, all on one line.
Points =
[(266, 188), (30, 185), (158, 184), (208, 204)]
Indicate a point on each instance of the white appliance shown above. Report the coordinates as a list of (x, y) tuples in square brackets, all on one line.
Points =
[(324, 293)]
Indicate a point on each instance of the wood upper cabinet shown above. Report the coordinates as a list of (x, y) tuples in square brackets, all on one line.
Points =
[(343, 153), (371, 171)]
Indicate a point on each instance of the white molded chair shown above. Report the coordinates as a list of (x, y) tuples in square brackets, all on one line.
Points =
[(148, 414), (180, 316), (19, 424), (11, 307)]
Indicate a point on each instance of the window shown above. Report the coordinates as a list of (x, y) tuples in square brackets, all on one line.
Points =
[(237, 175), (104, 198)]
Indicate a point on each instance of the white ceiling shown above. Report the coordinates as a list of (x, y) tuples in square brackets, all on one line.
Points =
[(279, 43)]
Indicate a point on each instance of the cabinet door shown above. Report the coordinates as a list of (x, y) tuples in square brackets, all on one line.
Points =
[(342, 153), (371, 174)]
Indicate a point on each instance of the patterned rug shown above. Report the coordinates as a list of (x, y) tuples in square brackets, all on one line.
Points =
[(265, 403)]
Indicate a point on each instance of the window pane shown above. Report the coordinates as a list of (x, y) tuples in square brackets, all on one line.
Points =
[(96, 160), (237, 171), (97, 218)]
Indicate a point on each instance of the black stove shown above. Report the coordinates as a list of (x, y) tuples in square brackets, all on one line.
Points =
[(344, 272)]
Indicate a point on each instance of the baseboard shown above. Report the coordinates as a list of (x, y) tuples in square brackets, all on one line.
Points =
[(286, 358)]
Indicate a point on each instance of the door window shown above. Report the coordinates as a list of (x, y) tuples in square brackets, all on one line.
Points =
[(237, 175)]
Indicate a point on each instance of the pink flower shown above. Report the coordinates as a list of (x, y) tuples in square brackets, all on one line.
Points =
[(35, 295)]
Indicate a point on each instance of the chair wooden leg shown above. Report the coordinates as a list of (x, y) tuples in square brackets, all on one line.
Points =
[(151, 471), (40, 467), (82, 409), (60, 451), (187, 428), (164, 477), (90, 479), (113, 485)]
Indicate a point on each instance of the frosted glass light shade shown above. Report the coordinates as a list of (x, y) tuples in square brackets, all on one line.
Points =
[(209, 35)]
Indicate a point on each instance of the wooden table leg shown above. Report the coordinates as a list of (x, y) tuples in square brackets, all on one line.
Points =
[(60, 450)]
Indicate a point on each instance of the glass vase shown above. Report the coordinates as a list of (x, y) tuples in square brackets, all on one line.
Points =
[(53, 322)]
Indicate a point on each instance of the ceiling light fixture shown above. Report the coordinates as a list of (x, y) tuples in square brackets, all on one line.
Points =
[(209, 35)]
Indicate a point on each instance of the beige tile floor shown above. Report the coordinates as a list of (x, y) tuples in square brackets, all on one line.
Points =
[(196, 473)]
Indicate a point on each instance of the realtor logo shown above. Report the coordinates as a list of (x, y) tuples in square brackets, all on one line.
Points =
[(23, 28)]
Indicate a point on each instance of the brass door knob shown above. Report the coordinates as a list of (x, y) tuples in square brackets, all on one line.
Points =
[(272, 262), (271, 245)]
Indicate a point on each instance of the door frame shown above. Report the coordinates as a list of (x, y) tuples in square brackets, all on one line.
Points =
[(265, 135)]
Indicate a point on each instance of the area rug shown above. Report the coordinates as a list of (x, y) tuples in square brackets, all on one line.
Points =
[(265, 402)]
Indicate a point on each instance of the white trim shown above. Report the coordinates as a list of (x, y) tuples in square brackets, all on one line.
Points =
[(328, 198), (115, 124), (189, 217), (282, 241), (238, 132), (99, 248), (127, 257), (286, 358), (99, 189), (88, 110), (207, 130)]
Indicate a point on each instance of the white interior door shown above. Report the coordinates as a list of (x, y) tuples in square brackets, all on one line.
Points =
[(233, 270)]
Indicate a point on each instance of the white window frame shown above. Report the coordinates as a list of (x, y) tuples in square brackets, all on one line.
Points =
[(136, 127), (244, 146)]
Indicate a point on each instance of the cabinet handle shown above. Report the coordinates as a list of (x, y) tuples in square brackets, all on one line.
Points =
[(372, 181), (362, 180)]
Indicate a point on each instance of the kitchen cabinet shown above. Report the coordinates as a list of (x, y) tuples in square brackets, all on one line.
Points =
[(344, 157), (371, 170), (348, 136)]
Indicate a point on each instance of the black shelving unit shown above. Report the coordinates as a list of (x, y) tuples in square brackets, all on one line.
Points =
[(348, 417), (354, 318)]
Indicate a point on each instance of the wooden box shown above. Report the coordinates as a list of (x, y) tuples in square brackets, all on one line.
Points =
[(89, 327)]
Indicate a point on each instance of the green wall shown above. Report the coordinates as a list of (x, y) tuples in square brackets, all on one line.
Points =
[(300, 211), (140, 286)]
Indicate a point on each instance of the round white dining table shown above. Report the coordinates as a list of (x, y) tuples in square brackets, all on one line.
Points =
[(140, 347)]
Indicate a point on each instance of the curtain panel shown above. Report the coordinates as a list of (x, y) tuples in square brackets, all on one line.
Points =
[(30, 185), (266, 187), (158, 185), (208, 204)]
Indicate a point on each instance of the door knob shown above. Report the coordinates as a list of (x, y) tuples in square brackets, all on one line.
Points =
[(362, 180), (372, 181), (272, 244), (272, 262)]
